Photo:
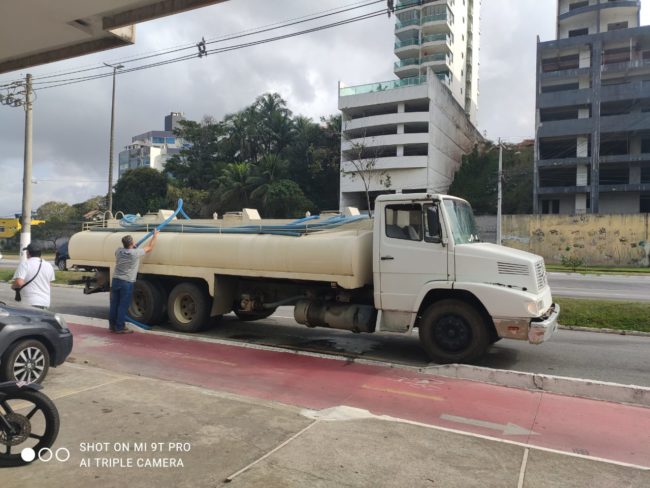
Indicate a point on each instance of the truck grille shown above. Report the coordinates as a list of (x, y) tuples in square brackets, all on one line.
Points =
[(512, 269), (540, 274)]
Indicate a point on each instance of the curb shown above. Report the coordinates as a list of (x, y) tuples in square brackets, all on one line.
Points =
[(560, 385), (606, 331)]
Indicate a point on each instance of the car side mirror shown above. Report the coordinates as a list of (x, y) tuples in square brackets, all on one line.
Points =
[(434, 230)]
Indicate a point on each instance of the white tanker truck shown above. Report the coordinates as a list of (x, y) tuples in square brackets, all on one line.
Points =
[(418, 264)]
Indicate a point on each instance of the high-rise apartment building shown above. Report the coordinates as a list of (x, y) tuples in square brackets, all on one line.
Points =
[(415, 129), (593, 111), (442, 35), (152, 149)]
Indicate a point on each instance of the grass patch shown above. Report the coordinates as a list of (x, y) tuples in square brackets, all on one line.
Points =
[(62, 277), (605, 314), (597, 270)]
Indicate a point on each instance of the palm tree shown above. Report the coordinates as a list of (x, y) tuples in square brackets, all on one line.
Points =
[(269, 170), (234, 186)]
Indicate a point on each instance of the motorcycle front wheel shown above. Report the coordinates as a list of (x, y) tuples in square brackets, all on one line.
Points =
[(28, 419)]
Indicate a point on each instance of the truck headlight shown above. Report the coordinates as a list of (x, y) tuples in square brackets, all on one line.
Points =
[(535, 308)]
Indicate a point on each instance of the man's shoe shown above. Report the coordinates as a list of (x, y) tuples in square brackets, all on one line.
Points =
[(111, 328), (124, 331)]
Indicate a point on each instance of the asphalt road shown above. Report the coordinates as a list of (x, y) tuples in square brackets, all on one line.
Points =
[(590, 355), (606, 287)]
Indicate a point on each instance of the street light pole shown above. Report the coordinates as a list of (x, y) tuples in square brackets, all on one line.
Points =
[(26, 230), (499, 192), (110, 151)]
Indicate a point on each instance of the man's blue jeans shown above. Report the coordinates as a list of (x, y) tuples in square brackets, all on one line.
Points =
[(121, 292)]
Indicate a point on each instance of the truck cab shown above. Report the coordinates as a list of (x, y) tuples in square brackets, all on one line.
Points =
[(431, 271)]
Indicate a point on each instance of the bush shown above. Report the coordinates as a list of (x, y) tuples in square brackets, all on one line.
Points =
[(572, 262)]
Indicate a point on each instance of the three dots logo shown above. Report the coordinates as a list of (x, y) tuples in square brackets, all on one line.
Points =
[(45, 454)]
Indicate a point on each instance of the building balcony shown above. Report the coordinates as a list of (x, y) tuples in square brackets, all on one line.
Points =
[(437, 60), (633, 122), (381, 86), (558, 128), (626, 66), (626, 158), (403, 4), (393, 162), (407, 48), (436, 23), (567, 13), (562, 162), (407, 67), (401, 25), (386, 140), (624, 188), (571, 73), (562, 190), (565, 98), (437, 42), (635, 90), (385, 120)]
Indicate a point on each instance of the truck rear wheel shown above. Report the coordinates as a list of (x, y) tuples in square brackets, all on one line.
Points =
[(453, 331), (148, 303), (188, 307)]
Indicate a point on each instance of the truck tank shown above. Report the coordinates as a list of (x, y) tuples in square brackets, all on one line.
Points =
[(342, 255)]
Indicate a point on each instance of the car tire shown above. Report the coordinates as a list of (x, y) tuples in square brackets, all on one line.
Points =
[(27, 360)]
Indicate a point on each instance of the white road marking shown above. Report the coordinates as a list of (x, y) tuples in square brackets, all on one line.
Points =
[(507, 429)]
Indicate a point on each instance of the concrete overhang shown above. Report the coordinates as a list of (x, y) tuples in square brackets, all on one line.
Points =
[(34, 32)]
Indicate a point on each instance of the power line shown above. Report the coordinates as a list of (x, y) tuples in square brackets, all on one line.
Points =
[(57, 83), (250, 32)]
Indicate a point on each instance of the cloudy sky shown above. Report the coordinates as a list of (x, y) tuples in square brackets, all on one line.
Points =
[(71, 123)]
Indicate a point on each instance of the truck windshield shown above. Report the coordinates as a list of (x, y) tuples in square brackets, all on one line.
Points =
[(463, 225)]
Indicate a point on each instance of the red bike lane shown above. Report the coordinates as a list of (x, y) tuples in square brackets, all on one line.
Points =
[(600, 429)]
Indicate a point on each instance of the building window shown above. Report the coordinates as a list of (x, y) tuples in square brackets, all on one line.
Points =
[(576, 5), (158, 140), (550, 206), (644, 204), (170, 140), (617, 26), (578, 32)]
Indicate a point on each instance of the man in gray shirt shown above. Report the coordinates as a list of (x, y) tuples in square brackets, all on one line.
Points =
[(127, 261)]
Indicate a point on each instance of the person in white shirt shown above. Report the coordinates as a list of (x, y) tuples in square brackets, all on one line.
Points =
[(33, 278)]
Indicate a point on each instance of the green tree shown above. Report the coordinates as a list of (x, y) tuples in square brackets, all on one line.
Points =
[(235, 186), (140, 190), (476, 180), (196, 203), (61, 222), (285, 199), (269, 170), (199, 163)]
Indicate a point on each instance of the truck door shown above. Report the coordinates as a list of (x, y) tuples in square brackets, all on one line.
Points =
[(410, 254)]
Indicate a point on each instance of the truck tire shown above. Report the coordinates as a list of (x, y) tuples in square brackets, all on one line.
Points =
[(188, 307), (62, 264), (250, 316), (148, 303), (453, 331)]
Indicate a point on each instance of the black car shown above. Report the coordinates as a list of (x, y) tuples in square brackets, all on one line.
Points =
[(31, 340), (61, 257)]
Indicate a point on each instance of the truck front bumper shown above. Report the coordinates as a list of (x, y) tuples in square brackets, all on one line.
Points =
[(535, 330)]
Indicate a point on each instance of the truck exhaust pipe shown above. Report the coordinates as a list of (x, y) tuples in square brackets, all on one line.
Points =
[(345, 316)]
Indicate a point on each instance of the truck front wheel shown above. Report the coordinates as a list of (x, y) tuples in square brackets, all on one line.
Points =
[(453, 331), (188, 307)]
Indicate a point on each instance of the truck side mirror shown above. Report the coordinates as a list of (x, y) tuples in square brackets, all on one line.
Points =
[(434, 231)]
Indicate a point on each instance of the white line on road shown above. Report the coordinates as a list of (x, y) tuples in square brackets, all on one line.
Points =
[(507, 429)]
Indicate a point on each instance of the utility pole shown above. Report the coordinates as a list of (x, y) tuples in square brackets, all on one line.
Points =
[(110, 151), (26, 230), (499, 192)]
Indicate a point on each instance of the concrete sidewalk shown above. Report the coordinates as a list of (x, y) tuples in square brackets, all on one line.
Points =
[(124, 430)]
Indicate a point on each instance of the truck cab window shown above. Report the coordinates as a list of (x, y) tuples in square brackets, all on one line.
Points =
[(404, 222), (433, 229)]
